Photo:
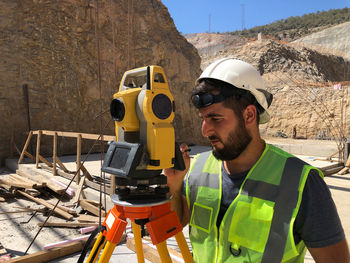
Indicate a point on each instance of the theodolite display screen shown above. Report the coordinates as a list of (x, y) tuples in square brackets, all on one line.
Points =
[(122, 158)]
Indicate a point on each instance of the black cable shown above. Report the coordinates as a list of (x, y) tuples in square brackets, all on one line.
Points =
[(89, 241)]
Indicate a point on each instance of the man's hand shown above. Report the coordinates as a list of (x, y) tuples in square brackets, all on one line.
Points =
[(175, 179)]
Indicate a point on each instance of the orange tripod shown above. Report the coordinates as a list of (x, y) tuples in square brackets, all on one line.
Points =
[(161, 223)]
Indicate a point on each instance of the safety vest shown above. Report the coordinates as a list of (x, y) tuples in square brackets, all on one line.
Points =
[(258, 225)]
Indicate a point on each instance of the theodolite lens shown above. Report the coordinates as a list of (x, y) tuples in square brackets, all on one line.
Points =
[(117, 110)]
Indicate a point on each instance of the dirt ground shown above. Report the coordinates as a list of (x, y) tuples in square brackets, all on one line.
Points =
[(18, 227)]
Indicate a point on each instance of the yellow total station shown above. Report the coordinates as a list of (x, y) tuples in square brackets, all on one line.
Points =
[(143, 110)]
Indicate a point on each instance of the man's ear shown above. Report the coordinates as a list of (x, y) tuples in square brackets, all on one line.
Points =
[(250, 114)]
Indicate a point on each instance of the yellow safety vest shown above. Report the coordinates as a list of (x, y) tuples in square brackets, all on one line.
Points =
[(258, 225)]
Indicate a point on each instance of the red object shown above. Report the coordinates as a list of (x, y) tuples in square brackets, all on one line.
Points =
[(163, 223)]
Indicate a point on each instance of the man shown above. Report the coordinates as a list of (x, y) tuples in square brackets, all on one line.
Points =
[(248, 201)]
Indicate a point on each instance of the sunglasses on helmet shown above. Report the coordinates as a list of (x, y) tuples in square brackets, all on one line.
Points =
[(201, 100)]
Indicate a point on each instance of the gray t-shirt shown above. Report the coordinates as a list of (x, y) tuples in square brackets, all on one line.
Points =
[(317, 222)]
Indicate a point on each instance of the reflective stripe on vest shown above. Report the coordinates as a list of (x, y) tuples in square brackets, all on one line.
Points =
[(259, 220)]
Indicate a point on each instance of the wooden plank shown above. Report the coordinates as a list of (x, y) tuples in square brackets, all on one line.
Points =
[(86, 173), (89, 218), (54, 154), (61, 165), (7, 187), (92, 185), (78, 162), (16, 183), (35, 184), (343, 171), (29, 155), (88, 136), (331, 166), (43, 180), (67, 224), (66, 209), (25, 210), (80, 189), (54, 253), (92, 208), (347, 164), (37, 153), (150, 252), (332, 171), (48, 205), (25, 147), (32, 192), (41, 158)]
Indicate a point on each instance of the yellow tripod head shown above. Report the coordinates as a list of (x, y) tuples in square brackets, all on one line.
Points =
[(143, 110)]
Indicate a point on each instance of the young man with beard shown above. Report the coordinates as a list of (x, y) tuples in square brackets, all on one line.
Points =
[(246, 200)]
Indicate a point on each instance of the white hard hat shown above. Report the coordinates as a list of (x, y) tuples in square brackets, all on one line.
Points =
[(243, 76)]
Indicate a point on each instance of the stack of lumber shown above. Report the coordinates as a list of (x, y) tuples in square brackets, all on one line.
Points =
[(47, 191)]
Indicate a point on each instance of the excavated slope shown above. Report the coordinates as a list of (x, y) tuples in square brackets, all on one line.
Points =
[(51, 46)]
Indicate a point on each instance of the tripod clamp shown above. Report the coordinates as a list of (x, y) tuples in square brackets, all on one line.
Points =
[(161, 223)]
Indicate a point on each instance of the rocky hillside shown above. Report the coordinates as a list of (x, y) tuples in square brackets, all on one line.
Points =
[(52, 47), (211, 43), (301, 80), (335, 39)]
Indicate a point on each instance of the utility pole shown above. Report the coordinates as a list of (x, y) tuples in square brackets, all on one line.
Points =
[(243, 20), (209, 36)]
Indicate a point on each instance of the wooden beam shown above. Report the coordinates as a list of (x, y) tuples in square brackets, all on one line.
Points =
[(89, 218), (331, 166), (80, 189), (48, 205), (16, 183), (29, 155), (38, 139), (92, 208), (25, 147), (347, 164), (78, 162), (42, 180), (150, 252), (92, 185), (332, 171), (87, 136), (343, 171), (54, 253), (67, 224), (35, 184), (54, 155), (62, 165), (41, 158), (86, 173), (64, 208)]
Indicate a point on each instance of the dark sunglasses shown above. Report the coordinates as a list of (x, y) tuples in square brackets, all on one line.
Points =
[(201, 100)]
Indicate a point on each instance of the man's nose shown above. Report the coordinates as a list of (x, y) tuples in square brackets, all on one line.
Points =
[(207, 128)]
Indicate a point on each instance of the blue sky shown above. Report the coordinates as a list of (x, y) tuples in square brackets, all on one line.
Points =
[(195, 16)]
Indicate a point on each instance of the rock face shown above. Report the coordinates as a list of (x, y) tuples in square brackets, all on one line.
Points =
[(335, 39), (52, 47), (209, 44), (302, 82)]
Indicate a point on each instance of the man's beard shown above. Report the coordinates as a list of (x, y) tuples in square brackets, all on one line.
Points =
[(237, 141)]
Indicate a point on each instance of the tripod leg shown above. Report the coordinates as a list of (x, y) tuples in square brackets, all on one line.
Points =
[(185, 251), (138, 242), (107, 252), (99, 243), (163, 252)]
